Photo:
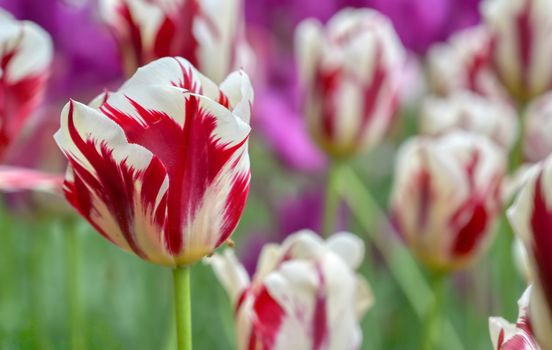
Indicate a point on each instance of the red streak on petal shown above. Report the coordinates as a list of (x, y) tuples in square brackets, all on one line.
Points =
[(327, 84), (268, 318), (541, 225), (319, 320), (113, 183), (525, 41)]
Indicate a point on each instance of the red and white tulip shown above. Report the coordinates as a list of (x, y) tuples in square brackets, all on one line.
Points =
[(467, 111), (25, 56), (304, 295), (522, 48), (208, 33), (446, 196), (531, 218), (161, 167), (519, 336), (464, 63), (351, 75), (537, 143)]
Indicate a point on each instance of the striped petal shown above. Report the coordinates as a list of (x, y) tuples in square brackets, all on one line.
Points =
[(519, 336), (531, 218), (25, 56)]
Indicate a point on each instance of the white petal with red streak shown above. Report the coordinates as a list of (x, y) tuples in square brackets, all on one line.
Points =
[(92, 125)]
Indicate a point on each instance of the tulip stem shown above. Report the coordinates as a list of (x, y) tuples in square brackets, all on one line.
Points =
[(433, 318), (331, 201), (183, 307), (73, 268)]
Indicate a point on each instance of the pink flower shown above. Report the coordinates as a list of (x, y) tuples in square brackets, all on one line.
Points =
[(519, 336), (521, 45), (14, 179), (446, 196), (304, 295), (25, 57), (161, 166), (351, 73), (531, 218), (209, 34)]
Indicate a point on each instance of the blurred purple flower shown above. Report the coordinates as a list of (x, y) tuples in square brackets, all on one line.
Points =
[(421, 23)]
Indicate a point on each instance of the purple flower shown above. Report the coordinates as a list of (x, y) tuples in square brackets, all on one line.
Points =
[(421, 23)]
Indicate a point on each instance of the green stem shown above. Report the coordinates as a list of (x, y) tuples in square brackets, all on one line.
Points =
[(331, 201), (183, 307), (433, 319), (73, 269)]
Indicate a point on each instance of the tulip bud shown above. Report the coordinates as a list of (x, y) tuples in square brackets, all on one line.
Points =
[(160, 167), (304, 295), (25, 56), (521, 45), (468, 111), (463, 63), (537, 144), (209, 34), (350, 72), (531, 218), (446, 196), (519, 336)]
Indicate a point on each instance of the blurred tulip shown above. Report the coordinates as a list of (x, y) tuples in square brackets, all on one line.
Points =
[(209, 34), (519, 336), (14, 179), (446, 197), (537, 144), (465, 110), (25, 57), (464, 63), (521, 45), (351, 72), (304, 295), (161, 167), (531, 218)]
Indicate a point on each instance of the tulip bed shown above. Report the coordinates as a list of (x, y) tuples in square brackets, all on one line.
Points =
[(275, 175)]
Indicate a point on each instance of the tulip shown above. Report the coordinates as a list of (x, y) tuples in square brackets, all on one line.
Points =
[(25, 57), (209, 34), (446, 197), (14, 179), (464, 63), (521, 45), (161, 168), (519, 336), (537, 144), (465, 110), (531, 218), (350, 72), (304, 295)]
